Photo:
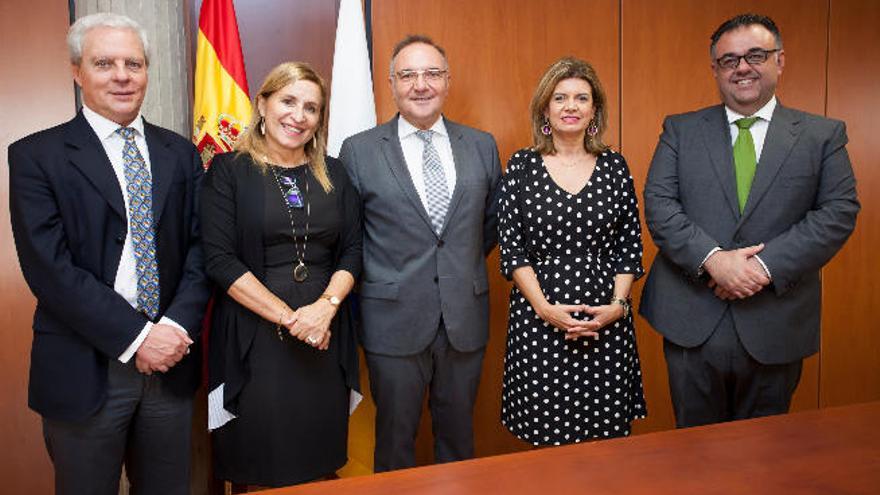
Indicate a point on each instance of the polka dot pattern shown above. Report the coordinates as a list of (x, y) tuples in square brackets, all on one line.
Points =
[(557, 391)]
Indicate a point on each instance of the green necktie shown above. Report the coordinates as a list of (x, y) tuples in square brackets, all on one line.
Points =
[(745, 160)]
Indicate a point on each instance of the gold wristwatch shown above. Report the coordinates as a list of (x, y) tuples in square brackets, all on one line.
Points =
[(333, 300), (623, 302)]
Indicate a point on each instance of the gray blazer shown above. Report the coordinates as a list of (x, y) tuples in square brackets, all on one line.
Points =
[(412, 276), (802, 206)]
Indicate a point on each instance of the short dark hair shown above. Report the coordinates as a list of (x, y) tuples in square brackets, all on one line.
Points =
[(745, 20), (412, 39)]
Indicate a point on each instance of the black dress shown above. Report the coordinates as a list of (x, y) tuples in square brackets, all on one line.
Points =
[(558, 391), (292, 406)]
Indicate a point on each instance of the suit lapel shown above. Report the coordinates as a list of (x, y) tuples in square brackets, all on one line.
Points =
[(162, 162), (459, 156), (397, 163), (780, 139), (716, 133), (88, 155)]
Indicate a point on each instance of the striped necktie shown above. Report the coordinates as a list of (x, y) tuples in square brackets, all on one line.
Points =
[(139, 187), (436, 189)]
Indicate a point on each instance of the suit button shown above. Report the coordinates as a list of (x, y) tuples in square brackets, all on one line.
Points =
[(436, 279), (120, 239), (440, 243), (108, 283)]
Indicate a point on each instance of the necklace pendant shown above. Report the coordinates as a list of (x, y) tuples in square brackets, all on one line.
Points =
[(300, 272)]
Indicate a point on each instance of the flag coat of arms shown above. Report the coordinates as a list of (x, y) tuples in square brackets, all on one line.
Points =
[(221, 107)]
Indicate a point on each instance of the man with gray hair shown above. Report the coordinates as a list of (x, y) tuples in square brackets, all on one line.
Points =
[(103, 211), (428, 187)]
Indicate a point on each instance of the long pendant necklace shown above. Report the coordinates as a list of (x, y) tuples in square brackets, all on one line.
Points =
[(294, 199)]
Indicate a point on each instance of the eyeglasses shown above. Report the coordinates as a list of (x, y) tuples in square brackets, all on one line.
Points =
[(409, 76), (755, 56)]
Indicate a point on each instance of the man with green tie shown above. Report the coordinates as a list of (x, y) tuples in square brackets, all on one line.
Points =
[(746, 202)]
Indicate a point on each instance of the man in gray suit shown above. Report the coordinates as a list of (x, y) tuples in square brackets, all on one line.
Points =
[(747, 201), (428, 188)]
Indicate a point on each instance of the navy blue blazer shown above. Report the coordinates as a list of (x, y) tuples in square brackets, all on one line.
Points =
[(69, 223)]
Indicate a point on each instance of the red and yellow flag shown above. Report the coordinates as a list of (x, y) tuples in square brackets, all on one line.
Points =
[(221, 107)]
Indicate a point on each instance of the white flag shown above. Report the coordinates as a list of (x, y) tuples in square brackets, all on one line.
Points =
[(352, 107)]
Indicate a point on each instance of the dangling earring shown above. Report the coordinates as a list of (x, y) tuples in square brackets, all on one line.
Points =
[(546, 129), (315, 141), (592, 129), (262, 125)]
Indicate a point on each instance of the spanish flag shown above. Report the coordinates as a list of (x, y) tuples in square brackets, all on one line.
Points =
[(221, 108)]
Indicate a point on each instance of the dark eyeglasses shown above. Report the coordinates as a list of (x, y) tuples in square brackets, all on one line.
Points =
[(755, 56)]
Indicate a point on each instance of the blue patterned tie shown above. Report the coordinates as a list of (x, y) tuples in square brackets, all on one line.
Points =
[(436, 189), (139, 187)]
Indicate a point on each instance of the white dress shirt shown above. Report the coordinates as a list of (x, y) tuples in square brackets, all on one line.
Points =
[(758, 129), (413, 147), (126, 275)]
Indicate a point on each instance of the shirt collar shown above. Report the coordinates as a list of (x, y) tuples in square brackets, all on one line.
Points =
[(405, 129), (764, 113), (106, 128)]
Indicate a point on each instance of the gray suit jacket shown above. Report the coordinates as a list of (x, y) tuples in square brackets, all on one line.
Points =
[(412, 276), (802, 206)]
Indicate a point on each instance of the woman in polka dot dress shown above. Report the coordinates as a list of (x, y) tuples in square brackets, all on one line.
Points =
[(571, 242)]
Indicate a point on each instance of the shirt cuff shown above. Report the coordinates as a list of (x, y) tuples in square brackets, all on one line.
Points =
[(136, 344), (129, 352), (764, 266), (168, 321), (714, 250)]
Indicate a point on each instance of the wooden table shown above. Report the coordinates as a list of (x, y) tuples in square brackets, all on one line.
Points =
[(827, 451)]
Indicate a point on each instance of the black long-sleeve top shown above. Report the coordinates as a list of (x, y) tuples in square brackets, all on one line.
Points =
[(232, 209)]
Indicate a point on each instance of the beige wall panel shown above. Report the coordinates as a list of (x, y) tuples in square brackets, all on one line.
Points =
[(850, 341), (36, 91)]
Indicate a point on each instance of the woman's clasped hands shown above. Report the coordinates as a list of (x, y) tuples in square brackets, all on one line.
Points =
[(311, 323), (561, 316)]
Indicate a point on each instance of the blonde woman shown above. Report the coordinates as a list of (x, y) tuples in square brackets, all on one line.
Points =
[(282, 239)]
